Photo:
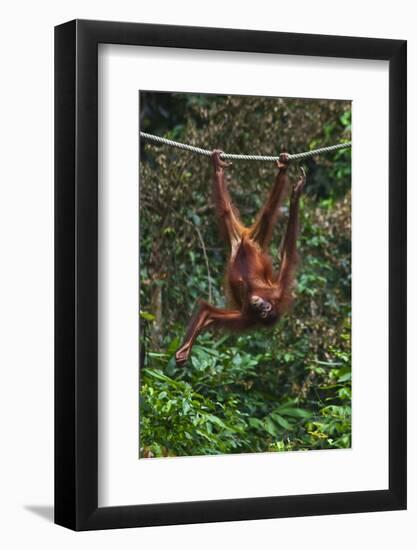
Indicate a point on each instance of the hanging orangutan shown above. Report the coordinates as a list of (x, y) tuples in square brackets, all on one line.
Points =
[(258, 296)]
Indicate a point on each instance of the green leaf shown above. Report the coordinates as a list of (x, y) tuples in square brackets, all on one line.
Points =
[(255, 423), (147, 316), (270, 426), (281, 421), (345, 377), (174, 345), (295, 412), (215, 420)]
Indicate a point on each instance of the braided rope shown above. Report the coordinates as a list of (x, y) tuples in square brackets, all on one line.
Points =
[(232, 156)]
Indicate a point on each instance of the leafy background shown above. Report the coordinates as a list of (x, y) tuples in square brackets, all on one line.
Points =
[(280, 390)]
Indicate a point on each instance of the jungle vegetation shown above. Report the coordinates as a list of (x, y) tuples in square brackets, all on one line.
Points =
[(264, 391)]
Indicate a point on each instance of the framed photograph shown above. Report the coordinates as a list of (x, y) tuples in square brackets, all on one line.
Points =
[(230, 253)]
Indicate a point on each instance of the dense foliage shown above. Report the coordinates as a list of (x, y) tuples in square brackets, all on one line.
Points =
[(284, 389)]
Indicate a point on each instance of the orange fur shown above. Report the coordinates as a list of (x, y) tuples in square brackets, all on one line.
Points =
[(258, 295)]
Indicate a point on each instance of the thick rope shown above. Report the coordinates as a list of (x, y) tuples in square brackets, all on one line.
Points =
[(232, 156)]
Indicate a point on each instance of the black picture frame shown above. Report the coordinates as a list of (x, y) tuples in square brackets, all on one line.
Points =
[(76, 272)]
